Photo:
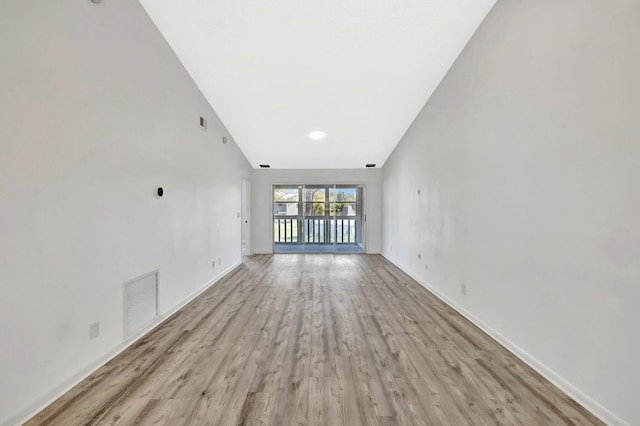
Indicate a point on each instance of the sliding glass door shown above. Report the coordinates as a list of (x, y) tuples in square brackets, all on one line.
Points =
[(318, 218)]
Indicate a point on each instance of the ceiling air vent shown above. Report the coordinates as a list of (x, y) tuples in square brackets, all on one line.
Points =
[(265, 166), (370, 165)]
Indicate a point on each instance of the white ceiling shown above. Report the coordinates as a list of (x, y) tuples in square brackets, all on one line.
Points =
[(358, 70)]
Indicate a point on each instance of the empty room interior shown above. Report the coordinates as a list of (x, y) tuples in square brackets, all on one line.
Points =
[(339, 213)]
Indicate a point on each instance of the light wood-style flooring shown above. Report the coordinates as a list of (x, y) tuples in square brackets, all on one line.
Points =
[(315, 339)]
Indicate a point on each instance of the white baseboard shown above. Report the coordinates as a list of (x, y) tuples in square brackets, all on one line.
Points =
[(50, 397), (564, 385)]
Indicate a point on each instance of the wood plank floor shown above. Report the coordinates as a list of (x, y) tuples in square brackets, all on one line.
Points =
[(315, 340)]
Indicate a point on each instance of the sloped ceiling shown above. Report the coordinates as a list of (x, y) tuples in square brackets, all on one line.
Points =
[(357, 70)]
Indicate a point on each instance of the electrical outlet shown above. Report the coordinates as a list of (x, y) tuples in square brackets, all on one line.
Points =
[(94, 330), (213, 263), (426, 267), (419, 256), (463, 289)]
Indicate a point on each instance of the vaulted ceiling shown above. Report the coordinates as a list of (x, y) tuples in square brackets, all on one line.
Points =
[(358, 71)]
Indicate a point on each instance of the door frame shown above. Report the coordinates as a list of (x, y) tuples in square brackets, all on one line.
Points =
[(363, 203)]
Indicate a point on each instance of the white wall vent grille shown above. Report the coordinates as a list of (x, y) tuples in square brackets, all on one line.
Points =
[(140, 302)]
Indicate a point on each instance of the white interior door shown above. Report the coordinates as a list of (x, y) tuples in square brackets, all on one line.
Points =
[(246, 230)]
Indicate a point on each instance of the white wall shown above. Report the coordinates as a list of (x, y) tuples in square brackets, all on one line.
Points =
[(528, 162), (95, 113), (262, 199)]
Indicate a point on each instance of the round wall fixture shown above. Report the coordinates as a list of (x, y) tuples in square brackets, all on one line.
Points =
[(160, 191)]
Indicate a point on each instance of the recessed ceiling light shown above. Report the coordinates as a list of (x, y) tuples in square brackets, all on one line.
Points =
[(316, 135)]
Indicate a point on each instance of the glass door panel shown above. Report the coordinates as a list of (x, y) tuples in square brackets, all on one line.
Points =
[(286, 209), (315, 219), (345, 209)]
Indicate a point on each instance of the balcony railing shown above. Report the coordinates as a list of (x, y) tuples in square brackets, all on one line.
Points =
[(319, 230)]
